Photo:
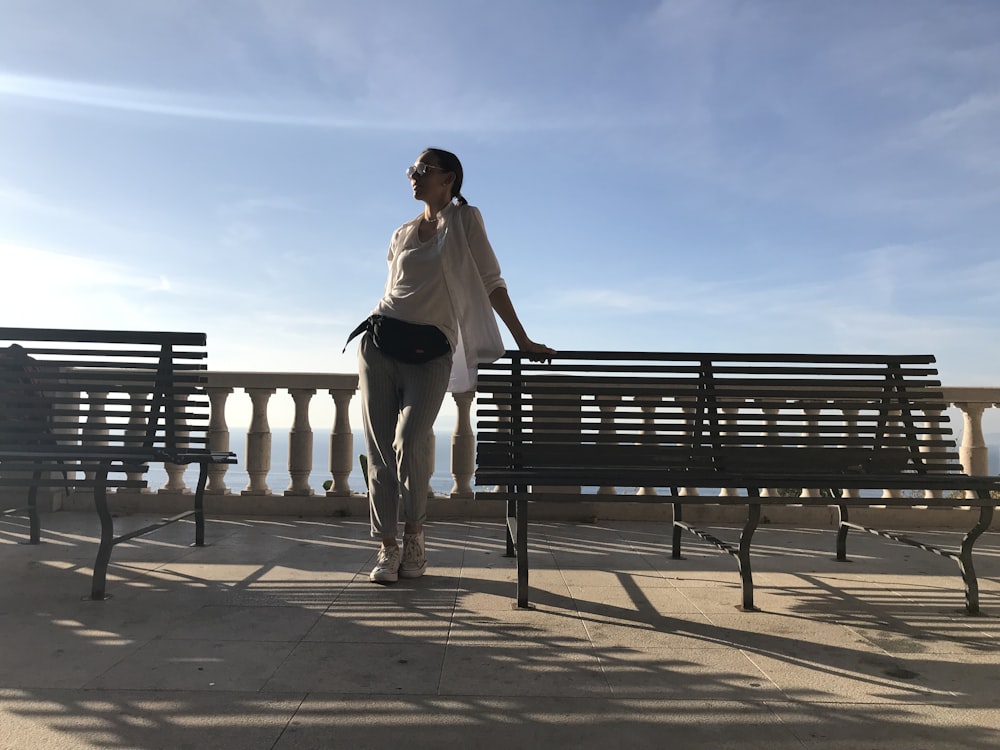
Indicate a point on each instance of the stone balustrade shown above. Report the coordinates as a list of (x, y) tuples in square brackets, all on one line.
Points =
[(260, 387), (303, 388), (973, 403)]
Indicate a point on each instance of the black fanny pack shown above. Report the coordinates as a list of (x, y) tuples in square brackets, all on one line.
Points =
[(411, 343)]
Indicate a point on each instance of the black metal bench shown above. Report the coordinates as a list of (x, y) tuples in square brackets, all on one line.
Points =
[(786, 429), (90, 410)]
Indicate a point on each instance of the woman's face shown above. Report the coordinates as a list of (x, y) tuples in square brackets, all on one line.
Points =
[(430, 183)]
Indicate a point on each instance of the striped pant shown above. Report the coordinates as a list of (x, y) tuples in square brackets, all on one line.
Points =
[(399, 403)]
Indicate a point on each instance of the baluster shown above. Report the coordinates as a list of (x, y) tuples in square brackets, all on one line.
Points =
[(894, 428), (67, 429), (607, 406), (300, 444), (973, 452), (96, 423), (135, 431), (258, 443), (812, 423), (686, 407), (688, 411), (218, 439), (341, 445), (175, 472), (733, 410), (463, 447), (851, 428), (772, 413), (933, 418), (504, 425), (648, 407), (571, 426)]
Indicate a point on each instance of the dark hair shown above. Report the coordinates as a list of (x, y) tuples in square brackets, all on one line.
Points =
[(450, 163)]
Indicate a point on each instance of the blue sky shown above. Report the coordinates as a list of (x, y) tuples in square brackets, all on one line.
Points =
[(687, 175)]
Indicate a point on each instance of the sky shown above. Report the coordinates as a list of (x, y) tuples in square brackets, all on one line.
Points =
[(664, 175)]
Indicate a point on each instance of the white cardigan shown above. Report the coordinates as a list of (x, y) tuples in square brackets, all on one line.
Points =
[(471, 273)]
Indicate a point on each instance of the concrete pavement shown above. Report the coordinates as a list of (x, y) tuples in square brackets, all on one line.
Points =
[(272, 638)]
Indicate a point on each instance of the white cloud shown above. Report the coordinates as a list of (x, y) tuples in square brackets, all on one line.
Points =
[(51, 288), (178, 104)]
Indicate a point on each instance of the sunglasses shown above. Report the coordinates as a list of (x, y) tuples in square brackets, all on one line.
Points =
[(420, 169)]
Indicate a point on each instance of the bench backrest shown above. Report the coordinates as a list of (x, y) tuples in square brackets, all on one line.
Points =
[(720, 412), (131, 391)]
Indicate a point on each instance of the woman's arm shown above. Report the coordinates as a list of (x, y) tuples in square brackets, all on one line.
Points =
[(500, 301)]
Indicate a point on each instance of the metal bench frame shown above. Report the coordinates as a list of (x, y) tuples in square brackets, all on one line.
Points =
[(757, 422)]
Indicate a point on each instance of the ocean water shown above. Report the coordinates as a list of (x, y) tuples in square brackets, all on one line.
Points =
[(278, 478)]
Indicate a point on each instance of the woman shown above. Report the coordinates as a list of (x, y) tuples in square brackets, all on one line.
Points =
[(431, 328)]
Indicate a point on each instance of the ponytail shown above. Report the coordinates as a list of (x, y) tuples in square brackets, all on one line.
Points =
[(460, 200)]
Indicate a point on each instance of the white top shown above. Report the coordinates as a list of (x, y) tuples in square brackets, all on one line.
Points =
[(416, 290), (446, 282)]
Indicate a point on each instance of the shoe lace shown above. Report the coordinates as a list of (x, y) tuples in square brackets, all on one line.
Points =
[(385, 556), (412, 551)]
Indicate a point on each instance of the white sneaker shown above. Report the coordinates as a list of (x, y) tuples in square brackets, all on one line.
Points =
[(386, 568), (414, 557)]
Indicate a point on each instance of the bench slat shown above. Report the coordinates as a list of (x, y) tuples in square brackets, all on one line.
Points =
[(89, 336), (616, 357), (52, 354)]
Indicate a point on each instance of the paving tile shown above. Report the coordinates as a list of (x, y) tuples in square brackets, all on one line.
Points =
[(627, 598), (823, 674), (60, 652), (639, 578), (973, 679), (780, 631), (519, 668), (684, 671), (540, 626), (225, 572), (142, 720), (911, 636), (654, 631), (533, 721), (397, 624), (196, 665), (497, 589), (720, 597), (245, 623), (361, 668), (889, 726)]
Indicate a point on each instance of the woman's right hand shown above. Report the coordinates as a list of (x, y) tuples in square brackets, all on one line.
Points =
[(538, 352)]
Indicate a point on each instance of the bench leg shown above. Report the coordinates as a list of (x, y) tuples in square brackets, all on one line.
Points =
[(965, 560), (35, 533), (511, 516), (199, 507), (99, 583), (678, 531), (522, 555), (743, 556), (842, 529)]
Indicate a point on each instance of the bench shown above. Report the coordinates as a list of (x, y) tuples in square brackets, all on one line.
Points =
[(91, 410), (786, 429)]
